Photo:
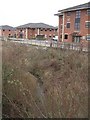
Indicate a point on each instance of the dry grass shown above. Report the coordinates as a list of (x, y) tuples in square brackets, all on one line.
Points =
[(39, 83)]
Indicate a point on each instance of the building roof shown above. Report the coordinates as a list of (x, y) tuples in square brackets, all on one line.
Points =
[(7, 27), (36, 25), (59, 14), (78, 7)]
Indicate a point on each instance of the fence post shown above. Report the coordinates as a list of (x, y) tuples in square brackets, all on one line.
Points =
[(81, 47)]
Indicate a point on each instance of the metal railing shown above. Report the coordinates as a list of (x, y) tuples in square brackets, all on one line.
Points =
[(49, 43)]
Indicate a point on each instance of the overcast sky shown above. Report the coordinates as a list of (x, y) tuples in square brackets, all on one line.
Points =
[(18, 12)]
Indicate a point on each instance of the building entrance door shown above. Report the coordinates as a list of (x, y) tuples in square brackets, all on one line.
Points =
[(77, 39)]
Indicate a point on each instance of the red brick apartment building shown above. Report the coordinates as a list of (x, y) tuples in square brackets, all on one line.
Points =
[(7, 31), (36, 30), (74, 23)]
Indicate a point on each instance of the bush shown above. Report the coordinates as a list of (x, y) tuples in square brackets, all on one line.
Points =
[(40, 83)]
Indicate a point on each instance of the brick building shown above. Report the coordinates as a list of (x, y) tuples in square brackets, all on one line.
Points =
[(74, 23), (36, 30), (7, 31)]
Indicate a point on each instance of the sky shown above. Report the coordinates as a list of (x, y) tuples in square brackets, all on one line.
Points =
[(19, 12)]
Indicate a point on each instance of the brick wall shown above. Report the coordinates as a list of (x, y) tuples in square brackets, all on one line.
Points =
[(7, 33), (83, 30), (0, 32), (31, 33)]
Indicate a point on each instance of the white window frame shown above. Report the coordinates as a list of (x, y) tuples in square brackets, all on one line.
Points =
[(88, 35), (67, 23), (87, 22), (88, 12)]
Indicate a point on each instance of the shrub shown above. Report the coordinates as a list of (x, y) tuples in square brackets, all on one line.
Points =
[(40, 83)]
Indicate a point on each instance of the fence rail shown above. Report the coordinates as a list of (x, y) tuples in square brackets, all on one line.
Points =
[(49, 43)]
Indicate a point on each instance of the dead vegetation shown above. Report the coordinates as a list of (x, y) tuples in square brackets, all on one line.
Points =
[(40, 83)]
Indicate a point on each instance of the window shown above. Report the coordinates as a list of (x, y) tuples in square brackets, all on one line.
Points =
[(78, 13), (77, 20), (68, 13), (15, 35), (77, 26), (9, 30), (65, 36), (88, 37), (68, 25), (60, 36), (88, 12), (21, 35), (41, 30), (50, 35), (45, 30), (3, 30), (56, 30), (87, 24), (50, 29)]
